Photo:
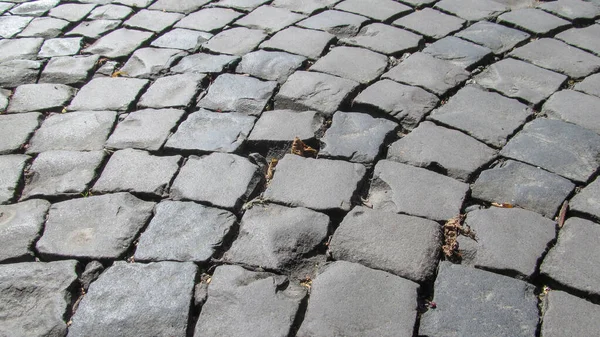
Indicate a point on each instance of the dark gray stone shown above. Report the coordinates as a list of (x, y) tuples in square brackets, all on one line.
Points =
[(145, 129), (350, 300), (96, 28), (12, 25), (184, 231), (270, 19), (418, 3), (534, 21), (118, 43), (243, 5), (587, 38), (584, 113), (61, 173), (524, 186), (209, 19), (572, 10), (509, 240), (184, 39), (285, 125), (270, 65), (137, 171), (201, 179), (32, 97), (429, 145), (567, 315), (472, 302), (380, 10), (472, 10), (431, 23), (151, 62), (34, 8), (172, 91), (108, 94), (573, 261), (20, 226), (179, 6), (428, 72), (405, 103), (35, 298), (71, 12), (356, 137), (11, 167), (357, 64), (305, 42), (235, 41), (340, 24), (459, 52), (588, 200), (411, 190), (44, 27), (238, 93), (207, 131), (276, 237), (306, 7), (498, 38), (385, 39), (319, 184), (110, 12), (68, 69), (590, 85), (559, 147), (131, 298), (249, 304), (96, 227), (518, 79), (18, 72), (19, 49), (75, 131), (154, 21), (91, 272), (487, 116), (314, 91), (402, 245), (16, 130)]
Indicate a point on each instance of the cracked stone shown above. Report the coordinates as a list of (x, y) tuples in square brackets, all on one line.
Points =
[(68, 69), (17, 72), (238, 93), (270, 65), (385, 39), (208, 19), (95, 29), (305, 42), (459, 52), (534, 21), (584, 38), (431, 23), (381, 10), (108, 94), (41, 97), (44, 27), (270, 19), (172, 91), (20, 226), (205, 63), (560, 106), (284, 125), (151, 62), (16, 130), (184, 39), (11, 166), (19, 49), (154, 21), (357, 64), (498, 38), (340, 24), (472, 10), (565, 314), (118, 43), (235, 41)]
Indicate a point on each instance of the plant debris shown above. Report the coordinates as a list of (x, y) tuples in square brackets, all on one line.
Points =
[(452, 229), (306, 282), (563, 214), (502, 205), (271, 169), (302, 150), (118, 74)]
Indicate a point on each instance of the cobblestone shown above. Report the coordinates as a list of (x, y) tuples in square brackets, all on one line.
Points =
[(20, 226), (17, 129)]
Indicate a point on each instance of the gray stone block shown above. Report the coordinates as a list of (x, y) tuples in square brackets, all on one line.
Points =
[(284, 125), (357, 64), (13, 25), (154, 21), (457, 51), (319, 184), (385, 39), (305, 7), (430, 23), (243, 5), (108, 94), (235, 41), (172, 91), (561, 106), (96, 28), (184, 231), (96, 227), (18, 72), (534, 21), (418, 3), (588, 200), (179, 6), (270, 19), (151, 62), (184, 39), (19, 49), (134, 3), (118, 43), (16, 130), (32, 97), (44, 27), (590, 85), (498, 38), (71, 12), (338, 23), (305, 42), (34, 8), (472, 10), (572, 10), (209, 19), (205, 63), (567, 315), (270, 65), (380, 10), (584, 38), (21, 225), (11, 167), (68, 69), (91, 272)]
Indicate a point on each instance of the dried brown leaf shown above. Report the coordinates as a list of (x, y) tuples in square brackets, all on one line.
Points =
[(301, 149), (502, 205), (271, 169)]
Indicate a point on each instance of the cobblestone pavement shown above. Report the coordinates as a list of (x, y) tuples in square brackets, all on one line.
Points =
[(322, 168)]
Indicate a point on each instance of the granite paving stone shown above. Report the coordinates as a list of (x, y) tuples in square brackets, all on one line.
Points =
[(565, 314), (172, 91), (20, 226), (276, 237), (134, 3), (60, 47), (534, 21), (68, 69), (399, 244), (151, 62), (238, 93), (4, 96), (178, 6), (118, 43), (154, 21), (587, 38), (110, 12), (357, 64), (106, 69), (318, 184), (518, 79), (573, 10), (92, 270), (270, 65), (184, 39), (472, 10), (146, 129), (96, 227), (201, 179), (5, 6), (352, 300), (406, 189), (587, 201), (208, 19), (508, 240), (71, 12), (61, 173), (486, 116), (305, 7), (235, 41), (435, 147), (250, 304), (137, 171), (497, 38), (472, 302), (430, 23), (40, 97), (34, 8), (314, 91), (270, 19), (405, 103), (35, 298), (16, 130), (184, 231), (419, 3), (522, 185), (305, 42), (575, 251), (205, 63), (134, 298), (560, 106), (19, 49), (11, 166), (590, 85), (459, 52), (14, 73), (338, 23), (108, 94), (518, 4), (44, 27), (385, 39), (243, 5), (430, 73), (356, 137), (380, 10), (282, 126), (12, 25), (96, 28)]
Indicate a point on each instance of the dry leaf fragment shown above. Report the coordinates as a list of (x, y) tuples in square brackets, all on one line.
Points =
[(563, 213), (452, 229), (306, 282), (502, 205), (271, 169), (301, 149), (118, 74)]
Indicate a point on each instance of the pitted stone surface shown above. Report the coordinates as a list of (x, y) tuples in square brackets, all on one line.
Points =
[(242, 303), (68, 69), (154, 21), (172, 91), (375, 303), (572, 10), (338, 23), (179, 38), (35, 298), (44, 27), (270, 19), (431, 23), (300, 41), (399, 244), (357, 64), (565, 314), (305, 7), (356, 137), (11, 167), (40, 97), (380, 10), (151, 62), (498, 38), (118, 302), (588, 200), (13, 49), (472, 10), (457, 51), (96, 28), (96, 227), (205, 63), (522, 185), (18, 72), (183, 231), (275, 237), (20, 226), (209, 19), (285, 125), (411, 190), (385, 39), (585, 38), (118, 43), (16, 130), (590, 85), (534, 21), (12, 25), (108, 94), (560, 106), (472, 302), (270, 65)]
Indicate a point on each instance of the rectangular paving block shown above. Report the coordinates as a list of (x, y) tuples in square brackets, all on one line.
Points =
[(21, 225), (11, 166)]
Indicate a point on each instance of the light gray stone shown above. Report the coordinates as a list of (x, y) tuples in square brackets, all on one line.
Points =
[(430, 23), (20, 226), (338, 23), (179, 6), (285, 125), (385, 39), (172, 91), (584, 113), (154, 21), (305, 7), (498, 38), (14, 73), (270, 19), (590, 85), (110, 12), (305, 42), (565, 314), (205, 63), (68, 69), (16, 130), (32, 97), (380, 10), (34, 8), (151, 62), (534, 21), (60, 47), (573, 10), (588, 200), (108, 94), (235, 41), (19, 49), (184, 39), (118, 43), (134, 3), (472, 10), (459, 52), (209, 19), (243, 5), (71, 12), (238, 94), (11, 166), (12, 25), (357, 64), (585, 38), (96, 28), (270, 65), (45, 27)]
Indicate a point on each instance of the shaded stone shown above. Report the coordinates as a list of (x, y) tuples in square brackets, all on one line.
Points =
[(472, 10), (134, 3), (406, 189), (34, 8), (472, 302), (431, 23), (285, 125), (23, 49), (133, 298), (205, 63), (16, 130), (154, 21), (250, 304), (585, 38), (319, 184), (184, 231), (14, 73), (108, 94), (118, 43), (341, 24), (172, 91), (68, 69), (96, 28), (184, 39), (235, 41), (418, 3), (588, 200), (357, 64), (523, 186), (12, 25), (151, 62), (560, 106), (20, 226), (567, 315), (534, 21), (91, 272), (380, 10), (208, 19), (498, 38), (590, 85), (270, 65), (72, 12), (572, 10), (44, 27), (179, 6), (110, 12), (270, 19), (305, 42), (459, 52), (385, 39), (32, 97), (11, 167), (351, 300), (96, 227), (305, 7)]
